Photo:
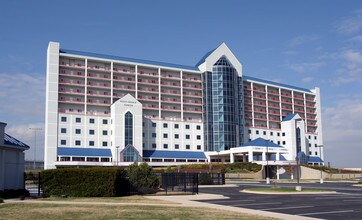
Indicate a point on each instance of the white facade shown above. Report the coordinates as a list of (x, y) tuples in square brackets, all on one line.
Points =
[(84, 93), (11, 161)]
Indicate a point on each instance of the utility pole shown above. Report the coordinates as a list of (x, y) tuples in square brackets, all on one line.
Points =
[(35, 131)]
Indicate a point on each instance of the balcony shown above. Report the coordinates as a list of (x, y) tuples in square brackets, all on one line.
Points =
[(258, 117), (259, 97), (260, 126), (299, 103), (169, 76), (170, 84), (171, 108), (98, 102), (148, 74), (309, 99), (71, 82), (149, 82), (170, 92), (149, 106), (259, 103), (286, 108), (171, 100), (99, 68), (192, 110), (286, 95), (99, 85), (311, 124), (71, 73), (148, 90), (259, 90), (192, 102), (195, 87), (71, 91), (274, 119), (123, 79), (71, 111), (273, 106), (148, 98), (311, 112), (274, 113), (247, 88), (105, 113), (98, 93), (271, 92), (248, 116), (311, 106), (311, 118), (286, 101), (191, 94), (259, 110), (123, 87), (120, 70), (272, 99), (72, 65), (298, 97), (71, 100), (192, 79), (98, 76)]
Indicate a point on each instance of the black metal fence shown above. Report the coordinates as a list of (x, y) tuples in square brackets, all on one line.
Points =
[(218, 178), (180, 183)]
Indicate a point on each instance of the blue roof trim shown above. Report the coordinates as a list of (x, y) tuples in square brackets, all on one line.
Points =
[(260, 142), (289, 117), (126, 59), (204, 57), (173, 154), (314, 159), (9, 140), (84, 152), (276, 84)]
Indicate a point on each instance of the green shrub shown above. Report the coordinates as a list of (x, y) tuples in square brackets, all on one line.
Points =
[(84, 182), (243, 167), (1, 201), (205, 179), (142, 178)]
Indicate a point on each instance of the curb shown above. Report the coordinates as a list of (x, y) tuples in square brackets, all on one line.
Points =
[(286, 193)]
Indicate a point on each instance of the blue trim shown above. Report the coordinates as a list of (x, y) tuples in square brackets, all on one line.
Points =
[(260, 142), (84, 152), (126, 59), (289, 117), (276, 84), (173, 154), (314, 159), (204, 57), (9, 140)]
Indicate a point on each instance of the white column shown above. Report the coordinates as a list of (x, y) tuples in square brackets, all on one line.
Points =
[(250, 156), (244, 157), (277, 170), (232, 158), (277, 157), (263, 157)]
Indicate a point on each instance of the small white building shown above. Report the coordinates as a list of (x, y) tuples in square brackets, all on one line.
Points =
[(11, 161)]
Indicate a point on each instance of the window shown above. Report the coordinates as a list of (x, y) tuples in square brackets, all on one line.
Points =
[(310, 145), (187, 136), (77, 131), (165, 135), (315, 145), (198, 137), (165, 146), (187, 126), (91, 121), (278, 142), (283, 142), (176, 126), (198, 127), (78, 120), (316, 153), (63, 142), (309, 137), (283, 134), (91, 132), (154, 145), (257, 132), (165, 125), (153, 124), (77, 143), (153, 135), (176, 136), (315, 137), (177, 146), (91, 143), (63, 130), (249, 131), (199, 147), (187, 147), (105, 121), (264, 132), (310, 152), (63, 119), (128, 129), (104, 143), (105, 132), (130, 154), (278, 134), (143, 134), (143, 124), (271, 133)]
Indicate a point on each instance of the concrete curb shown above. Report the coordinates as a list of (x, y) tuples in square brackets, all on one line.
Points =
[(286, 193), (217, 186)]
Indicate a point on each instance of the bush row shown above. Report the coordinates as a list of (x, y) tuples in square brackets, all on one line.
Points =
[(238, 167), (13, 193)]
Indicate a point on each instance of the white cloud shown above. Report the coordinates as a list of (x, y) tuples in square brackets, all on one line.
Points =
[(22, 98), (305, 67), (356, 38), (26, 135), (299, 40), (307, 79), (351, 70), (342, 126), (351, 24)]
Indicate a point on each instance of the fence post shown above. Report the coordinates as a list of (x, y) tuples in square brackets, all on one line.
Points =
[(39, 184)]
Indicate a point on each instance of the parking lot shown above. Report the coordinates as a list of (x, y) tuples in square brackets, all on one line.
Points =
[(345, 204)]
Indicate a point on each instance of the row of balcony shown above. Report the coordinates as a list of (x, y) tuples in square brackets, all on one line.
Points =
[(80, 111)]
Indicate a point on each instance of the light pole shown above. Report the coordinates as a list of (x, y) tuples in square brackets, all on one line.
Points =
[(320, 163), (298, 187), (218, 153), (267, 163), (117, 155), (35, 131)]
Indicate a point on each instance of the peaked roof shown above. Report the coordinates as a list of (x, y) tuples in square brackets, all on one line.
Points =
[(314, 159), (204, 58), (9, 140), (290, 117), (260, 142), (173, 154)]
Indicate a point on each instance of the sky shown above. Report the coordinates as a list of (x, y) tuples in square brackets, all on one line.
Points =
[(302, 43)]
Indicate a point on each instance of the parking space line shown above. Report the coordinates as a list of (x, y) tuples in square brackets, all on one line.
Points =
[(322, 213), (265, 203), (227, 201), (290, 207)]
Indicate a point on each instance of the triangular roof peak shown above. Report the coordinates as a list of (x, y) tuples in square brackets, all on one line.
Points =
[(291, 117), (128, 99), (207, 62)]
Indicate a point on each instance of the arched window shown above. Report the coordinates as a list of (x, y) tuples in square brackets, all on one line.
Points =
[(128, 129)]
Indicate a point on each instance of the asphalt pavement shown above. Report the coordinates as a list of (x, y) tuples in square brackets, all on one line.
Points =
[(345, 204)]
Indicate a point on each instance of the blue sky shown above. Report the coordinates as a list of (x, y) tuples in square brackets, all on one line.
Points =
[(303, 43)]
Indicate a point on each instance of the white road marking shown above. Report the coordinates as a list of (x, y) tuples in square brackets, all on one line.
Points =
[(265, 203), (290, 207), (321, 213), (226, 201)]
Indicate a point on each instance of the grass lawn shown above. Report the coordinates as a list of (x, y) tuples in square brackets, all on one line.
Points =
[(125, 199), (51, 212), (284, 190)]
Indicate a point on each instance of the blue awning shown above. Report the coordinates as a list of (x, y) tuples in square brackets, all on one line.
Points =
[(314, 159), (260, 142), (173, 154), (84, 152)]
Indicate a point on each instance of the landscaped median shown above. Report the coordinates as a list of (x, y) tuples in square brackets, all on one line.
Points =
[(133, 207), (284, 190)]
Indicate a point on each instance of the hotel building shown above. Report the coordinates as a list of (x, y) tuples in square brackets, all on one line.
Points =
[(108, 110)]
